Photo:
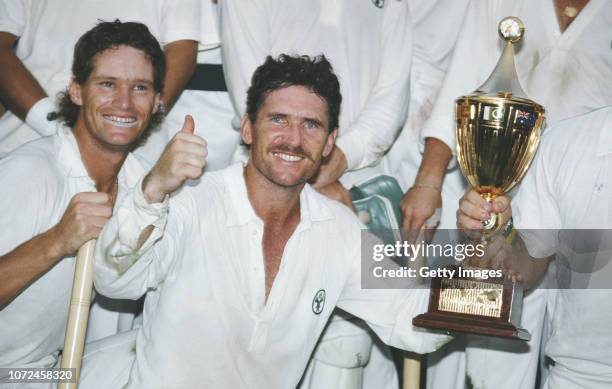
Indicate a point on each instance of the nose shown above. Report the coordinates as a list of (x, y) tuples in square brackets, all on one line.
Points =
[(123, 98), (293, 135)]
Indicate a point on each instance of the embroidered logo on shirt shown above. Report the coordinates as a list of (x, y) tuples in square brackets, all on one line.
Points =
[(318, 302), (379, 3)]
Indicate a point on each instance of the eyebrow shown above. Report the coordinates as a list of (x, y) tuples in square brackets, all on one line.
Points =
[(284, 115), (138, 80)]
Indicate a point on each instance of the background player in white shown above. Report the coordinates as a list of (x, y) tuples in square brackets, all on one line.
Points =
[(205, 98)]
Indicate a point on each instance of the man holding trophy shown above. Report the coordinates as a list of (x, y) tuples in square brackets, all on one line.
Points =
[(568, 187), (560, 69)]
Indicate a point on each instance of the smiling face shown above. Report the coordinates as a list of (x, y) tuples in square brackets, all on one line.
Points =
[(290, 136), (118, 98)]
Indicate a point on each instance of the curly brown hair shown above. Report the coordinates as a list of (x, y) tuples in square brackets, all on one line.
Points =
[(109, 35)]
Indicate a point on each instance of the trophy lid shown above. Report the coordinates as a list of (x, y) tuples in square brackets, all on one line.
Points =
[(504, 81)]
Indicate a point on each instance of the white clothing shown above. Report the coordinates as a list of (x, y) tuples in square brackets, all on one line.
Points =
[(212, 111), (368, 47), (211, 324), (37, 181), (569, 186), (46, 39), (563, 72), (436, 25)]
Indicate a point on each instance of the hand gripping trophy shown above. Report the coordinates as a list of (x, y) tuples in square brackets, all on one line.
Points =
[(498, 132)]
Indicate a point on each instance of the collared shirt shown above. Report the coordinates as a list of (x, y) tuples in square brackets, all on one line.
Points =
[(207, 323), (369, 45), (37, 181), (564, 72), (569, 186), (49, 29)]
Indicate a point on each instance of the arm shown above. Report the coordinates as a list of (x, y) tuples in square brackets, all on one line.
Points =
[(82, 221), (180, 65), (181, 30), (389, 312), (130, 255), (372, 132), (437, 137), (19, 90), (510, 253), (425, 196)]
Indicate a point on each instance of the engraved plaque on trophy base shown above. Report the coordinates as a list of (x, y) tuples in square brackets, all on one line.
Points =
[(472, 305)]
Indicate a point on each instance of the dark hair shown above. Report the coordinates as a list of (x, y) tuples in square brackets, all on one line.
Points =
[(314, 73), (110, 35)]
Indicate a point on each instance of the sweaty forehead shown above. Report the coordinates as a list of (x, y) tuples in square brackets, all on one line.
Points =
[(123, 62)]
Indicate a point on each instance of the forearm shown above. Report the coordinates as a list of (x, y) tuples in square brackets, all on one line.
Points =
[(22, 266), (435, 161), (180, 64), (130, 256), (19, 90)]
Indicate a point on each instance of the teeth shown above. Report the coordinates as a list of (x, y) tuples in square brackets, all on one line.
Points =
[(288, 158), (120, 121)]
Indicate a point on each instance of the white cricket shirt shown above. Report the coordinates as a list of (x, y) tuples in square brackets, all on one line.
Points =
[(37, 182), (207, 323)]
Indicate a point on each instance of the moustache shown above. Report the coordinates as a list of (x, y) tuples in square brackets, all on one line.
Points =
[(293, 150)]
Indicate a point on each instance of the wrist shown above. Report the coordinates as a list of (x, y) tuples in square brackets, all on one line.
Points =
[(428, 177), (151, 193), (39, 118), (431, 187), (54, 244)]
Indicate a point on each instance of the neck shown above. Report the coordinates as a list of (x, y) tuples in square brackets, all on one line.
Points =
[(567, 11), (272, 202), (102, 164)]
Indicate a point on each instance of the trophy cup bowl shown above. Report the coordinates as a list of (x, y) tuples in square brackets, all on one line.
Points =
[(498, 133), (497, 137)]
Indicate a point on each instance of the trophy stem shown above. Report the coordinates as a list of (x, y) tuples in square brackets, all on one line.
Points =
[(492, 224)]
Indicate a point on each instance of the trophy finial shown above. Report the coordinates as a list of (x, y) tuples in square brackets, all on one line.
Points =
[(511, 29), (503, 81)]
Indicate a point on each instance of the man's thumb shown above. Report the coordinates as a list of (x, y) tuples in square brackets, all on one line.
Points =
[(188, 125)]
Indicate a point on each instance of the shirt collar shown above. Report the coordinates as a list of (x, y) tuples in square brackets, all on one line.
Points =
[(240, 210), (70, 160), (69, 154)]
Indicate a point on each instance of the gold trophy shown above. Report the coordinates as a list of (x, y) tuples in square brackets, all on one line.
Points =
[(498, 132)]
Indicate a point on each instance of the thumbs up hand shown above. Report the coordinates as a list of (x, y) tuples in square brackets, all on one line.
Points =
[(183, 158)]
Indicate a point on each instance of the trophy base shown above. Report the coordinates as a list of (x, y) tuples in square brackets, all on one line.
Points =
[(470, 304), (450, 322)]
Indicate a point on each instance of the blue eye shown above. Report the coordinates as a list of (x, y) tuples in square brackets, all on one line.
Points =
[(107, 84), (141, 87), (311, 124)]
